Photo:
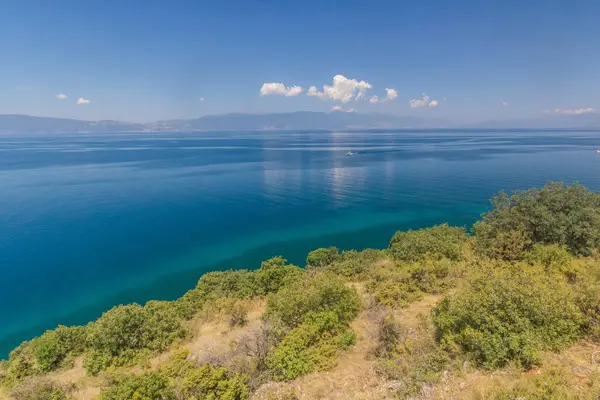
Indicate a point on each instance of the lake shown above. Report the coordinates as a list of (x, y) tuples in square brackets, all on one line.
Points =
[(91, 221)]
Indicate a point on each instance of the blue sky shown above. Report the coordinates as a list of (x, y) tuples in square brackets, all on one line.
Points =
[(147, 60)]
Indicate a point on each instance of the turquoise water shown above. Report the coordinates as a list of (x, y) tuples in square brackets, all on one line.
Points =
[(90, 221)]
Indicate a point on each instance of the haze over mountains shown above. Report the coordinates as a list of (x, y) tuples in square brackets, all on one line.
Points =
[(300, 120)]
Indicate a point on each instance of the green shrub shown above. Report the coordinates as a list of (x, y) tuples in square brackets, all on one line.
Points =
[(314, 293), (312, 346), (392, 286), (214, 383), (554, 383), (20, 365), (275, 273), (146, 386), (441, 241), (53, 347), (510, 314), (400, 284), (240, 284), (356, 264), (555, 214), (554, 257), (244, 284), (322, 257), (125, 332), (189, 304), (40, 389)]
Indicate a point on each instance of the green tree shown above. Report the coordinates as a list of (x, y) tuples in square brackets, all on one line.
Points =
[(559, 214), (508, 314), (441, 241), (322, 257)]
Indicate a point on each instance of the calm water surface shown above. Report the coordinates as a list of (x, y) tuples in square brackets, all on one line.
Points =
[(90, 221)]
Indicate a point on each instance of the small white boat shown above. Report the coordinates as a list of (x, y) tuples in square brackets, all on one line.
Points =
[(597, 151), (350, 153)]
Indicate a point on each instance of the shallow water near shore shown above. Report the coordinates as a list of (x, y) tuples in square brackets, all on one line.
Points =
[(91, 221)]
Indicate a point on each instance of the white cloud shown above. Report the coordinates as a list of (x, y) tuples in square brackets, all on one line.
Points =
[(81, 100), (343, 89), (392, 94), (61, 96), (275, 88), (201, 98), (423, 102), (504, 104), (572, 111), (341, 109)]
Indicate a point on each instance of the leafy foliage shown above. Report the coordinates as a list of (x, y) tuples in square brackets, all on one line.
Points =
[(510, 314), (312, 346), (356, 264), (146, 386), (125, 332), (441, 241), (53, 347), (315, 293), (322, 257), (560, 214)]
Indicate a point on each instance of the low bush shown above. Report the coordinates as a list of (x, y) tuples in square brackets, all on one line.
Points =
[(555, 383), (356, 265), (399, 284), (208, 382), (559, 214), (510, 314), (411, 356), (441, 241), (53, 347), (205, 381), (124, 333), (314, 293), (146, 386), (275, 273), (312, 346), (322, 257), (40, 389)]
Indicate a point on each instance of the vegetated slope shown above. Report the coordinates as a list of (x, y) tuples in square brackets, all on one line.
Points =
[(510, 312)]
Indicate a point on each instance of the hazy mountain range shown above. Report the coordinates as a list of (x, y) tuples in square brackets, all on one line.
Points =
[(301, 120)]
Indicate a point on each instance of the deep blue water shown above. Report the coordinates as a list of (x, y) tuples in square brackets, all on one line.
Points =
[(90, 221)]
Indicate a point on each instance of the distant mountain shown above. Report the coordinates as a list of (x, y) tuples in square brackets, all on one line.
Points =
[(301, 120), (553, 121), (28, 124)]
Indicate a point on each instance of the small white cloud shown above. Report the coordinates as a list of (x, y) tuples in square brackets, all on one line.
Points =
[(391, 94), (81, 100), (201, 98), (423, 102), (61, 96), (343, 89), (341, 109), (571, 111), (504, 104), (275, 88)]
